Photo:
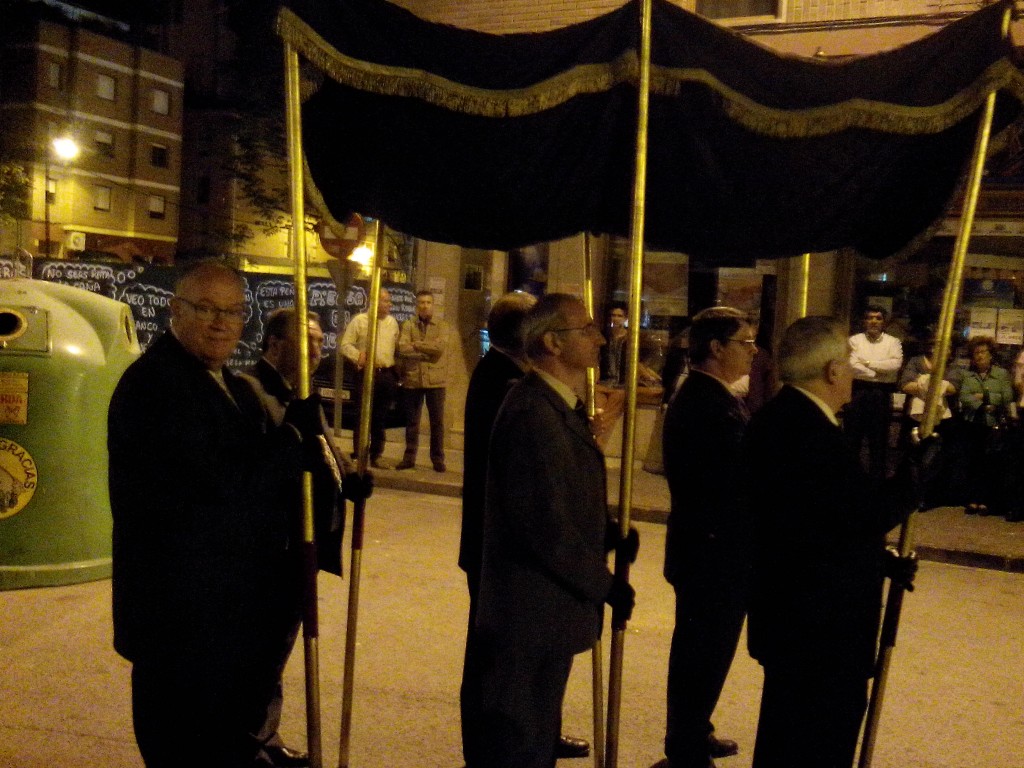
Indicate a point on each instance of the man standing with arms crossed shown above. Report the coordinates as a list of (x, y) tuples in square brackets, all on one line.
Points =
[(707, 548), (876, 358), (423, 361)]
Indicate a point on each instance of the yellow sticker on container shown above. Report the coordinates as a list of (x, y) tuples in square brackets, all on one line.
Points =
[(18, 478), (13, 397)]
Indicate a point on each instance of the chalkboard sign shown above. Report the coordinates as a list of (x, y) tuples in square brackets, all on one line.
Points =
[(148, 291)]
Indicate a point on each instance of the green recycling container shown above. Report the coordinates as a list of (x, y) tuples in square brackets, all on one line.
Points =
[(62, 351)]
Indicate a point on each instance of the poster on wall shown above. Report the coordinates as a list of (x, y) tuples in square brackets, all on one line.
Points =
[(1010, 328), (983, 322), (528, 269), (666, 283), (148, 290), (741, 289)]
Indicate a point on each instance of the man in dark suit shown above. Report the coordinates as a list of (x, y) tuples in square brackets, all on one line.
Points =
[(201, 580), (275, 378), (503, 365), (707, 552), (544, 576), (819, 556)]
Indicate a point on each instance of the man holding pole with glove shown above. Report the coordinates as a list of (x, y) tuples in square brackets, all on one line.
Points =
[(819, 556), (545, 576), (202, 568), (275, 379)]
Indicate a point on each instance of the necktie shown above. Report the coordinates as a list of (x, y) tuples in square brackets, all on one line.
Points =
[(581, 411), (742, 405)]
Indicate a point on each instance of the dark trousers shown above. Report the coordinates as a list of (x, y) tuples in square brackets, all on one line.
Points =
[(385, 391), (710, 608), (800, 700), (412, 407), (267, 733), (992, 461), (470, 693), (521, 703), (204, 716), (867, 417)]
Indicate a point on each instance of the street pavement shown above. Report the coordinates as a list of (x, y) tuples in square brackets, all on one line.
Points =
[(953, 701)]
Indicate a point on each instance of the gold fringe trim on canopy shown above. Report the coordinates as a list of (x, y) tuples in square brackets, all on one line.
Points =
[(586, 79)]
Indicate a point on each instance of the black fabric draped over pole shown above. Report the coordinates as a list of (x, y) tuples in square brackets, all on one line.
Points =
[(499, 141)]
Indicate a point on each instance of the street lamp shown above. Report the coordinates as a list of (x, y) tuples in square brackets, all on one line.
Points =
[(66, 150)]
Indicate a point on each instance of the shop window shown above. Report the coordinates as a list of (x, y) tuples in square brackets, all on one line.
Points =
[(737, 9)]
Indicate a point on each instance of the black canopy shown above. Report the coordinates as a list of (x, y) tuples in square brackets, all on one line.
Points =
[(497, 141)]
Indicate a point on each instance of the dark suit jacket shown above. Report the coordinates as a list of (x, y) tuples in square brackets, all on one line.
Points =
[(819, 540), (703, 430), (488, 385), (544, 575), (200, 571), (328, 506)]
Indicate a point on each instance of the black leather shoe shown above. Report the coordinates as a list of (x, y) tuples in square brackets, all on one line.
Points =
[(570, 746), (721, 747), (405, 464), (666, 763), (284, 757), (440, 467)]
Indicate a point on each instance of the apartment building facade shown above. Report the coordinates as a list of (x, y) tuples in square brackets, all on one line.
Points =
[(119, 108)]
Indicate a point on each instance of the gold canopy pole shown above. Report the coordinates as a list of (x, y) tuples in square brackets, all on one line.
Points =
[(633, 347), (894, 601), (805, 282), (359, 507), (297, 243), (597, 654)]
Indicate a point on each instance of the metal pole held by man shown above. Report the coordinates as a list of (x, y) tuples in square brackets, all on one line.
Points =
[(926, 441), (629, 420), (310, 620), (359, 507)]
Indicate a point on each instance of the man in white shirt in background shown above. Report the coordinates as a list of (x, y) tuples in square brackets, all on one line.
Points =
[(876, 358), (385, 383)]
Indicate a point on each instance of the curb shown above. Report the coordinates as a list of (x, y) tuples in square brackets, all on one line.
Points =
[(421, 481)]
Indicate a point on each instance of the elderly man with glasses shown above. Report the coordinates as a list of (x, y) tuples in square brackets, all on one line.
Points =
[(203, 594)]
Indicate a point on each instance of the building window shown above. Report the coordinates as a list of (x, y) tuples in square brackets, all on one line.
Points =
[(104, 143), (106, 87), (203, 190), (157, 206), (51, 191), (158, 156), (161, 103), (100, 198), (55, 75), (737, 9)]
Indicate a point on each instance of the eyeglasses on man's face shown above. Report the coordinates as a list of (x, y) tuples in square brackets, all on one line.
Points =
[(748, 342), (209, 313), (590, 327)]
